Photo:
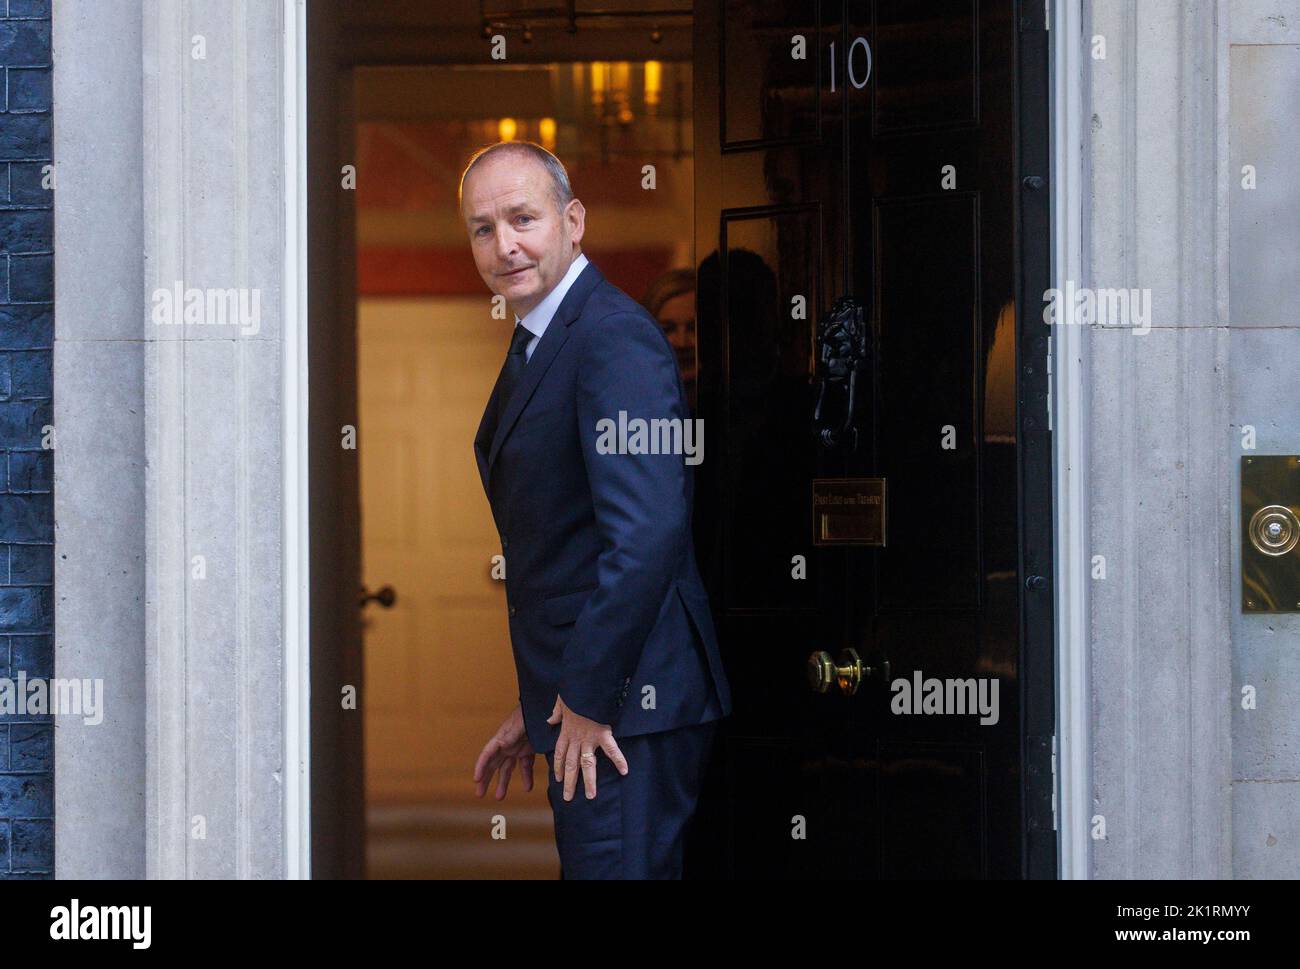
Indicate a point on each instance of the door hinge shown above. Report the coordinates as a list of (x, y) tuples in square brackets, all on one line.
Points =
[(1051, 381), (1053, 782), (1040, 753), (1027, 21)]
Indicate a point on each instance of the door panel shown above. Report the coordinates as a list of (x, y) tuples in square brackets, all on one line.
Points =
[(892, 179), (929, 346), (771, 257), (768, 96), (932, 803), (925, 61)]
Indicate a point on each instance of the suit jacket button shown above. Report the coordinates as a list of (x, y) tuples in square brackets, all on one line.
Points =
[(512, 610), (504, 544)]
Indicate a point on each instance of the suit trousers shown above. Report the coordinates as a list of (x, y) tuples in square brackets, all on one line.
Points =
[(635, 826)]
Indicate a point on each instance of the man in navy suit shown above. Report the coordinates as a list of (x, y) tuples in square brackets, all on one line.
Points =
[(610, 625)]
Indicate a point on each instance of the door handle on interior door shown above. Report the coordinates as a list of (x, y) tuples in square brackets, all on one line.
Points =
[(385, 597), (848, 673)]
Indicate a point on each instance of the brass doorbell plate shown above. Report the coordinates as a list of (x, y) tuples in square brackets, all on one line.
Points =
[(1270, 533)]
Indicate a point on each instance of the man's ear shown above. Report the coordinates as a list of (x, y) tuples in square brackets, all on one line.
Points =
[(577, 218)]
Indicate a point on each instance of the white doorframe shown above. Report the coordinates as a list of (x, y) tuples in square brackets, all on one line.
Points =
[(295, 594), (1068, 430)]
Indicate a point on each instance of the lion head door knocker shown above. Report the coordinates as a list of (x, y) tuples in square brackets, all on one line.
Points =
[(841, 373)]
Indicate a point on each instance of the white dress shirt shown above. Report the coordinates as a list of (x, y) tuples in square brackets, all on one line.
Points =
[(537, 319)]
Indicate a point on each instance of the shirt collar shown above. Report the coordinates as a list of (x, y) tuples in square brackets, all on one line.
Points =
[(537, 319)]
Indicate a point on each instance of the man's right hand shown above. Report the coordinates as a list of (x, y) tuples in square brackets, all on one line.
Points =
[(510, 744)]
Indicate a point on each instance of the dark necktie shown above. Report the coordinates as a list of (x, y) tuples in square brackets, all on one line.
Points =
[(512, 368)]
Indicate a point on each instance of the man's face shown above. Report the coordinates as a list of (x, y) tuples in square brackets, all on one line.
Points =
[(522, 242)]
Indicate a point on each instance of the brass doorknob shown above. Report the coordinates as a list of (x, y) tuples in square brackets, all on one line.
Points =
[(848, 673)]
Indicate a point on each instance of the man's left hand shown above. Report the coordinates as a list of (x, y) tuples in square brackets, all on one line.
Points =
[(576, 747)]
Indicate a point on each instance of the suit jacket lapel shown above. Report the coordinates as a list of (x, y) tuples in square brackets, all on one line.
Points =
[(557, 332), (486, 429)]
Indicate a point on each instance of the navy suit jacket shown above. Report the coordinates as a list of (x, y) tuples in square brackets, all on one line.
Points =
[(603, 592)]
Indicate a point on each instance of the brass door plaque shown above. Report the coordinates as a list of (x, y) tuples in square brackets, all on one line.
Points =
[(1270, 533), (849, 511)]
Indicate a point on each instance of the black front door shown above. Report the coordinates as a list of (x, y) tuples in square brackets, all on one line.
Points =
[(890, 152)]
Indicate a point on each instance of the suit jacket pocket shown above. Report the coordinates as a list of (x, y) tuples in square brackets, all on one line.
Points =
[(559, 610)]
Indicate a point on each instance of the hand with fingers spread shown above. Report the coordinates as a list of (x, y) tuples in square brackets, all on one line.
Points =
[(576, 748), (509, 746)]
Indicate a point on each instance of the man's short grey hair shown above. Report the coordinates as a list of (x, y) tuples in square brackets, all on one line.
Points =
[(554, 167)]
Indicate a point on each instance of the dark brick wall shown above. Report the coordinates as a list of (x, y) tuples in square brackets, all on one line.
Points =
[(26, 468)]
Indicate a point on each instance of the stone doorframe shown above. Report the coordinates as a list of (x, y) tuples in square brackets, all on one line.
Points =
[(180, 504)]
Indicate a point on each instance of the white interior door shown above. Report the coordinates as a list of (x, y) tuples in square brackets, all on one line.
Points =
[(439, 673)]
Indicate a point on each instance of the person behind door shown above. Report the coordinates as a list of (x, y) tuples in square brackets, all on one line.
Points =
[(620, 678)]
